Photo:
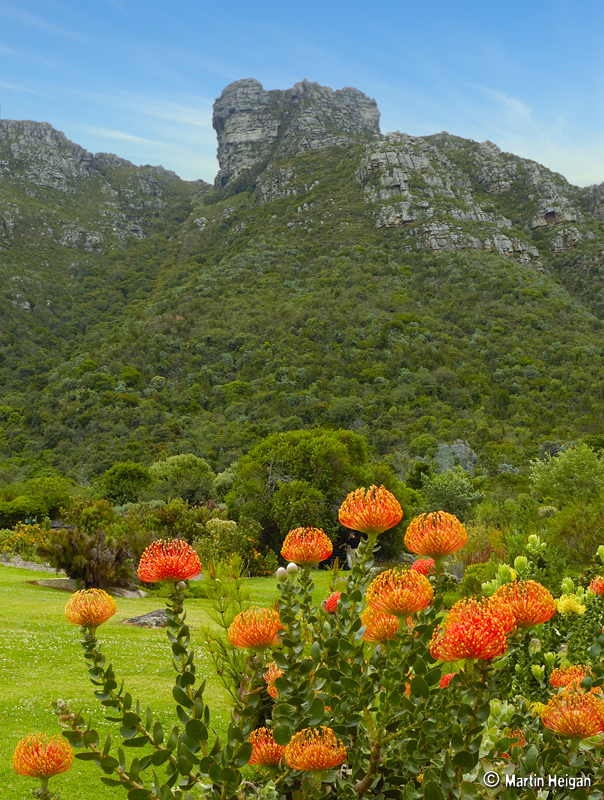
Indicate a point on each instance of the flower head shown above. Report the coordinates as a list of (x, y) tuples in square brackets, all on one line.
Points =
[(307, 546), (471, 609), (483, 638), (569, 678), (90, 608), (270, 676), (425, 566), (39, 756), (168, 560), (331, 604), (531, 602), (265, 751), (569, 604), (371, 511), (597, 585), (576, 715), (400, 593), (446, 680), (435, 534), (315, 751), (379, 626), (256, 628)]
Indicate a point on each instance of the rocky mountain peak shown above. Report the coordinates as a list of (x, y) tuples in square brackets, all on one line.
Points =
[(251, 123)]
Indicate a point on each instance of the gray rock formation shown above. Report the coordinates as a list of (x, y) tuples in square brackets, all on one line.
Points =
[(153, 619), (252, 123)]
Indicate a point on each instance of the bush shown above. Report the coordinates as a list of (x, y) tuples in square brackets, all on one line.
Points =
[(124, 482), (477, 574), (224, 539), (451, 491), (185, 476), (22, 540), (577, 531), (22, 508), (572, 476)]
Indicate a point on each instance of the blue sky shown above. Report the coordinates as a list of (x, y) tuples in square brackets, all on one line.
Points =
[(139, 78)]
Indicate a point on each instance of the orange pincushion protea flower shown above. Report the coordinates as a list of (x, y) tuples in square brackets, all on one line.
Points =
[(436, 534), (331, 604), (597, 585), (256, 628), (39, 756), (371, 511), (265, 751), (169, 560), (531, 602), (400, 593), (315, 751), (307, 546), (90, 608), (446, 680), (270, 676), (563, 677), (483, 638), (576, 715), (425, 566), (379, 626), (470, 608)]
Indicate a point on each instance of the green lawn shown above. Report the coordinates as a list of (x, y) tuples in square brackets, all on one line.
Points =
[(41, 660)]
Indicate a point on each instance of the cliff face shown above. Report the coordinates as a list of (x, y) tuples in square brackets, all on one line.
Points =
[(251, 123)]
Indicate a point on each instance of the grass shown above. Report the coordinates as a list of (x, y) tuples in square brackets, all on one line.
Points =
[(41, 660)]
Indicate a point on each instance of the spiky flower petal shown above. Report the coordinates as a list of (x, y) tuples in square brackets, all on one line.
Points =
[(379, 626), (481, 639), (569, 604), (531, 602), (371, 511), (563, 676), (576, 715), (40, 756), (168, 560), (307, 546), (265, 751), (400, 592), (436, 534), (446, 680), (470, 609), (90, 608), (315, 751), (270, 676), (255, 629), (597, 585)]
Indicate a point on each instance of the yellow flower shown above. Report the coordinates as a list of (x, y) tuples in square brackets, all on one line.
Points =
[(537, 709), (568, 604)]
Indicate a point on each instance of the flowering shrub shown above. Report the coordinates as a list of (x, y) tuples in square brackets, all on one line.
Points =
[(23, 539), (224, 538), (369, 703)]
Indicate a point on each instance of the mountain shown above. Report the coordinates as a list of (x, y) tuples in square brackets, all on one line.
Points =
[(414, 289)]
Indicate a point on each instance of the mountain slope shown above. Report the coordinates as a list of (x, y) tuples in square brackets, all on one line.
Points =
[(414, 289)]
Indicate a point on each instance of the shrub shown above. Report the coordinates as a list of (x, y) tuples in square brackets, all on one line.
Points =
[(573, 476), (185, 476), (477, 574), (124, 482), (23, 540), (224, 539), (451, 491), (20, 509)]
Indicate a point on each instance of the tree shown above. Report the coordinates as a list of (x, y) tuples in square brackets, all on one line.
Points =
[(451, 491), (575, 475), (186, 476), (124, 482)]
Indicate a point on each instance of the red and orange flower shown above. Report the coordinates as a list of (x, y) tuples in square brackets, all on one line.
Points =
[(482, 639), (90, 608), (576, 715), (331, 604), (315, 751), (425, 566), (307, 546), (256, 629), (446, 680), (270, 676), (597, 585), (400, 592), (39, 756), (379, 626), (435, 534), (265, 751), (168, 560), (531, 602), (470, 609), (561, 677), (370, 511)]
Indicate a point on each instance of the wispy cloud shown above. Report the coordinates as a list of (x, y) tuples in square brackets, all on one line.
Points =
[(10, 52), (16, 88), (124, 137), (516, 110), (37, 22)]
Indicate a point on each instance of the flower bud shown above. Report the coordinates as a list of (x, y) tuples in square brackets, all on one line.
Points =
[(601, 553), (550, 660), (292, 568), (181, 586), (534, 544), (568, 587), (490, 587), (505, 573), (281, 574), (538, 671), (496, 708), (521, 565)]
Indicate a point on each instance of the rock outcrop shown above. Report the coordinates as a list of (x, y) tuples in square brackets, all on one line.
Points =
[(252, 123)]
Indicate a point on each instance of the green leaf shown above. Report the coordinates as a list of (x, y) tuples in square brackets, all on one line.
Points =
[(107, 746), (158, 734), (141, 741), (140, 794), (111, 782), (160, 757), (182, 697), (242, 756), (88, 756), (315, 652), (530, 759), (282, 734), (419, 687), (432, 791), (463, 759), (108, 764)]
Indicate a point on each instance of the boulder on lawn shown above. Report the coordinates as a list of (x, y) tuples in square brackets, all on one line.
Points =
[(154, 619)]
